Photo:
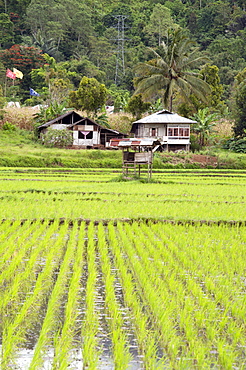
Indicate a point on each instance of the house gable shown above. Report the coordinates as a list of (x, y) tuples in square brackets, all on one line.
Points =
[(64, 120), (85, 131)]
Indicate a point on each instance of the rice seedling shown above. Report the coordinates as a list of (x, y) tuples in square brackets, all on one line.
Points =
[(180, 280), (63, 343), (145, 337), (51, 321), (15, 329), (89, 331), (119, 338)]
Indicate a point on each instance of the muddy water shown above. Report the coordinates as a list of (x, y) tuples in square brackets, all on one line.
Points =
[(23, 356), (104, 339)]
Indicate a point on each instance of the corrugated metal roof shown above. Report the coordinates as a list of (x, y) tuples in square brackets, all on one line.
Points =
[(164, 116), (47, 124)]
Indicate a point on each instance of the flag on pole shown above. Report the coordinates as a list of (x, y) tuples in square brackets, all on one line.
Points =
[(10, 74), (33, 92), (18, 73)]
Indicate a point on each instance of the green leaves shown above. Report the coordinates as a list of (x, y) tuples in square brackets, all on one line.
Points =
[(205, 124), (90, 96), (239, 127), (172, 70), (47, 114), (137, 106)]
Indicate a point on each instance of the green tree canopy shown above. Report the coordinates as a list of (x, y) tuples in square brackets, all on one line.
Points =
[(90, 96), (210, 74), (137, 106), (57, 21), (239, 127), (160, 21), (172, 69), (54, 78), (6, 30)]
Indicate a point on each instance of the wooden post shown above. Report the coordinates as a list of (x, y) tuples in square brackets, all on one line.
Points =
[(123, 169), (5, 92), (151, 170)]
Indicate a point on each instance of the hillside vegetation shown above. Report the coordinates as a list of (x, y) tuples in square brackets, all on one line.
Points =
[(184, 55), (106, 40)]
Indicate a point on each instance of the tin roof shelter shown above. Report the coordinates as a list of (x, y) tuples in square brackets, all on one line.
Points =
[(136, 152)]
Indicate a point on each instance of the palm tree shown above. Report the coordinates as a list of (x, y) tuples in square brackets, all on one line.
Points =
[(205, 124), (172, 70)]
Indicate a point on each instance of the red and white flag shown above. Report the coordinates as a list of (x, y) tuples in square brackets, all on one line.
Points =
[(10, 74)]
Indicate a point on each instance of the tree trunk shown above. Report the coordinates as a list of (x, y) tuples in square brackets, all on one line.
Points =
[(171, 103)]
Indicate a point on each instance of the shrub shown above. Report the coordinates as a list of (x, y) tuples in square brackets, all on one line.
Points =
[(226, 144), (8, 126), (57, 138), (238, 145), (194, 143)]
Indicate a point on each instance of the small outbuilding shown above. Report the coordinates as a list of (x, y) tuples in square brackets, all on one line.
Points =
[(136, 152), (171, 129), (86, 132)]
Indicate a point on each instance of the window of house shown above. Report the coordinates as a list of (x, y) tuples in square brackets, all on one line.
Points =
[(184, 131), (153, 131), (173, 131), (85, 135), (178, 132)]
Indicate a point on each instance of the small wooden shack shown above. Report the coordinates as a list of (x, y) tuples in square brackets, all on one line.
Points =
[(136, 152), (86, 132)]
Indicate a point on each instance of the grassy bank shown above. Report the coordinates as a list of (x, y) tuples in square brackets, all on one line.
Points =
[(19, 149)]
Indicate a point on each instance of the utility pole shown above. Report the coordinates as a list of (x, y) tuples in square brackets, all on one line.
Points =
[(120, 56)]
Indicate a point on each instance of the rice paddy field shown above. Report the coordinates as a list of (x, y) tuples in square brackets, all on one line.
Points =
[(101, 274)]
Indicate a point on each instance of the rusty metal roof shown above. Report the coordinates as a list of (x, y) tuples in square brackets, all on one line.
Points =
[(133, 142)]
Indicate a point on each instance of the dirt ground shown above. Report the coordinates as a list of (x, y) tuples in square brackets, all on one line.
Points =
[(201, 159), (204, 160)]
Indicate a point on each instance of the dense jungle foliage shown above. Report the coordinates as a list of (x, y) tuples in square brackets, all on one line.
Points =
[(55, 43)]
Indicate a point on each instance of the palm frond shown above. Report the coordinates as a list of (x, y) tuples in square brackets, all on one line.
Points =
[(173, 69), (150, 86)]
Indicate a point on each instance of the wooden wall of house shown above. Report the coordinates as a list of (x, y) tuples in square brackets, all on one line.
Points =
[(95, 140), (144, 130), (147, 129)]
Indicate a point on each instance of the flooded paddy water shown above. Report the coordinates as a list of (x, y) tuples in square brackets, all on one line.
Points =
[(144, 293)]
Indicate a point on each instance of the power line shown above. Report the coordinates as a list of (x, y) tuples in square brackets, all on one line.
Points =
[(120, 56)]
